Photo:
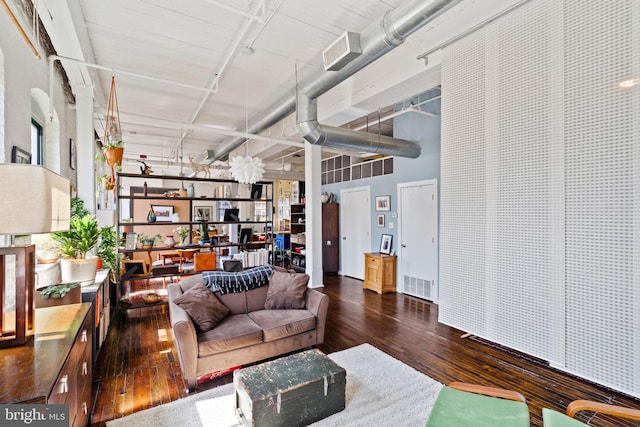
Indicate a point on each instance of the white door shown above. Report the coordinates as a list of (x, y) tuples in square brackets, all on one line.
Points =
[(355, 229), (418, 231)]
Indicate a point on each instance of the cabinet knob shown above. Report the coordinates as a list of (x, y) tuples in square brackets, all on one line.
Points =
[(64, 384), (85, 371), (84, 336), (84, 408)]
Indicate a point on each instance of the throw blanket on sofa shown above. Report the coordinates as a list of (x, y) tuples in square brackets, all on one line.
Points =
[(228, 282)]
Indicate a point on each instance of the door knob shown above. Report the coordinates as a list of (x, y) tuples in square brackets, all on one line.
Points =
[(404, 246)]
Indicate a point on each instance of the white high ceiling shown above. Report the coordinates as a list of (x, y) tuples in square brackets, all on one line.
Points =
[(185, 81)]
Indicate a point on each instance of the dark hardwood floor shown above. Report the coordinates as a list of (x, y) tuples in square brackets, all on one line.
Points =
[(138, 367)]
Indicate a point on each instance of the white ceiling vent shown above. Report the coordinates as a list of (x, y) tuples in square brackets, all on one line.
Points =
[(342, 51)]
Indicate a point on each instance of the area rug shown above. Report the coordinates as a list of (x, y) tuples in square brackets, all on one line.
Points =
[(380, 390)]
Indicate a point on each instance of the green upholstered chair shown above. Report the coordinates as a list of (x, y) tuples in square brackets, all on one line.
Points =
[(553, 418), (471, 405)]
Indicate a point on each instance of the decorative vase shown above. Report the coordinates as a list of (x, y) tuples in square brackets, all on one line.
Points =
[(183, 241), (78, 270), (175, 217), (191, 190), (151, 216), (169, 241), (324, 197)]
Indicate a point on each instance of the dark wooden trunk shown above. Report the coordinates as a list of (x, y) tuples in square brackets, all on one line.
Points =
[(295, 390)]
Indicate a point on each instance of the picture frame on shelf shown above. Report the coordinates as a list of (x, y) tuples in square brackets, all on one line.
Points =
[(134, 267), (383, 203), (385, 244), (163, 212), (202, 213), (18, 155), (380, 220)]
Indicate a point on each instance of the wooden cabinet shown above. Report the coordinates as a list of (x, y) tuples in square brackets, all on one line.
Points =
[(380, 272), (55, 366), (330, 238), (99, 295)]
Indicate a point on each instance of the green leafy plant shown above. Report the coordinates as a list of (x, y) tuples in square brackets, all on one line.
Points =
[(107, 249), (57, 291), (82, 237), (148, 240)]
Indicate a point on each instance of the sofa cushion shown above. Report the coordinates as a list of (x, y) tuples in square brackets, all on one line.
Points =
[(236, 331), (256, 298), (286, 291), (202, 306), (277, 324), (237, 302), (190, 281)]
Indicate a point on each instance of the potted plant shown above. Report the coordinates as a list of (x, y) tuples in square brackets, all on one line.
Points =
[(106, 182), (58, 294), (148, 242), (74, 246), (112, 152)]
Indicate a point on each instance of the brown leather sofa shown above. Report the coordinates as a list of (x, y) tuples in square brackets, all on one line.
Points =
[(248, 334)]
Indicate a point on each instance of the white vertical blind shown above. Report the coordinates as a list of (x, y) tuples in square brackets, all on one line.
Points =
[(602, 191), (540, 186)]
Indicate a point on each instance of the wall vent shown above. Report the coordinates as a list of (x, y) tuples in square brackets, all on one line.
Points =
[(342, 51)]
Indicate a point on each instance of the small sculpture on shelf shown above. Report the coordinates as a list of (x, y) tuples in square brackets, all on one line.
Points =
[(145, 169), (199, 168)]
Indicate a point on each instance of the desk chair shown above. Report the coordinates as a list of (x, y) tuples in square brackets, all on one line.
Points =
[(553, 418), (186, 259), (471, 405)]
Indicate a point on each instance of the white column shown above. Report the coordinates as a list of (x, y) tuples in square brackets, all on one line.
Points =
[(313, 210), (85, 146)]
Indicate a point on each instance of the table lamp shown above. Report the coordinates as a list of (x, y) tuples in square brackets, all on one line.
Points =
[(35, 200)]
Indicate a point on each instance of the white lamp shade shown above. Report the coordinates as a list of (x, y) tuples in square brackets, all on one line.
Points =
[(34, 200)]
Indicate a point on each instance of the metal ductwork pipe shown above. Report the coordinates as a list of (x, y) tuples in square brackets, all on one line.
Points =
[(380, 37), (315, 133)]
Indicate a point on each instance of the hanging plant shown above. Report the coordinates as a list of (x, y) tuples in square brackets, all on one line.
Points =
[(112, 148)]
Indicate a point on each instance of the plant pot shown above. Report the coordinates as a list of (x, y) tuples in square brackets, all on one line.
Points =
[(74, 296), (114, 156), (79, 270)]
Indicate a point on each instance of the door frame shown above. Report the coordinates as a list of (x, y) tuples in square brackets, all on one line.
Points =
[(399, 271)]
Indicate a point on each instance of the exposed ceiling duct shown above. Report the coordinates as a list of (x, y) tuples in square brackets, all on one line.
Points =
[(377, 39)]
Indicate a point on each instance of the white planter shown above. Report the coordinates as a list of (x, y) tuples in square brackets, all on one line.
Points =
[(79, 270)]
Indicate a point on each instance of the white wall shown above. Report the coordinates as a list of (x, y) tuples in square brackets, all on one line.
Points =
[(22, 73)]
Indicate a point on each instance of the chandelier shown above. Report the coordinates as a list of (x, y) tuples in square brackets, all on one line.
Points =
[(246, 170)]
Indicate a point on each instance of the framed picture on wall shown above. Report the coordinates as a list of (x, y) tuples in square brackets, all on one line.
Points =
[(72, 154), (383, 203), (385, 244), (380, 220), (18, 155)]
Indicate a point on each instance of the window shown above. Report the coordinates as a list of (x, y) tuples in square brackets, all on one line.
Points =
[(37, 143)]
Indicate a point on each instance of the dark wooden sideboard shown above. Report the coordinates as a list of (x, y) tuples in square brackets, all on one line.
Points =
[(54, 367)]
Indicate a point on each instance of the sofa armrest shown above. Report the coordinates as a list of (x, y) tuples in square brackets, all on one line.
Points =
[(184, 335), (318, 304)]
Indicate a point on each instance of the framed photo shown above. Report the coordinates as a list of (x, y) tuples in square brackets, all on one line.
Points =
[(134, 267), (380, 221), (203, 213), (163, 212), (385, 244), (72, 154), (383, 203), (18, 155)]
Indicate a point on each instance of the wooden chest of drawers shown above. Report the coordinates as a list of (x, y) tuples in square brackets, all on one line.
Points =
[(380, 272), (54, 367)]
